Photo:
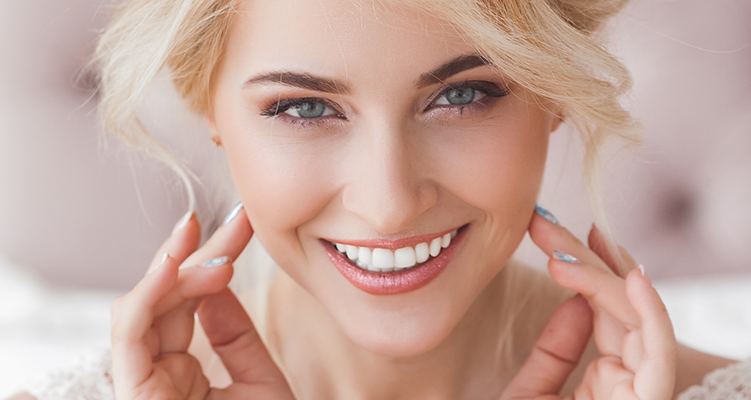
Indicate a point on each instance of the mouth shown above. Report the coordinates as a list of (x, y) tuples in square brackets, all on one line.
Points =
[(394, 267)]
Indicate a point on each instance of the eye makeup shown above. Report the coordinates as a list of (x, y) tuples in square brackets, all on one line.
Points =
[(488, 92)]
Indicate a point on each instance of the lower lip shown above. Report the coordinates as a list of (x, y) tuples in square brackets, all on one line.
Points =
[(385, 283)]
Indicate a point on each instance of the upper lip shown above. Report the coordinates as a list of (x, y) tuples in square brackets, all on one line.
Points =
[(392, 244)]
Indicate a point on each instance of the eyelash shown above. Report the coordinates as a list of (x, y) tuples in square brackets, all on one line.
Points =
[(278, 108)]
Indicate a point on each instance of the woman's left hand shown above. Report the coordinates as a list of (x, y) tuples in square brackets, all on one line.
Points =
[(632, 329)]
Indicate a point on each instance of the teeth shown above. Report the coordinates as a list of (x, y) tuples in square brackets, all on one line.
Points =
[(404, 257), (365, 255), (352, 252), (422, 252), (385, 260), (435, 247)]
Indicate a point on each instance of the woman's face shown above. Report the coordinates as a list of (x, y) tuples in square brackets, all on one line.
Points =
[(382, 130)]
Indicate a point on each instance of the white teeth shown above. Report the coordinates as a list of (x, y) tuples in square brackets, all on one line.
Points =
[(352, 252), (404, 257), (385, 260), (453, 233), (422, 252), (435, 247), (365, 255)]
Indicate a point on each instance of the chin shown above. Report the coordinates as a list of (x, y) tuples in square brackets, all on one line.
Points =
[(400, 336)]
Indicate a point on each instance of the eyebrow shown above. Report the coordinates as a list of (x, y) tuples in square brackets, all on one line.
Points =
[(451, 68), (329, 85), (301, 80)]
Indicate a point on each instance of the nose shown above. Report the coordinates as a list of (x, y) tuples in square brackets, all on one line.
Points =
[(389, 185)]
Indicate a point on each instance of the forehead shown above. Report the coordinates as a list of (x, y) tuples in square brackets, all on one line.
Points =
[(348, 38)]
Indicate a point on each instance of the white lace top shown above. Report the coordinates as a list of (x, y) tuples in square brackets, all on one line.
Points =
[(90, 378)]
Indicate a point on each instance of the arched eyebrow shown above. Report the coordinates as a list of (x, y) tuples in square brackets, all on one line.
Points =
[(451, 68), (329, 85), (301, 80)]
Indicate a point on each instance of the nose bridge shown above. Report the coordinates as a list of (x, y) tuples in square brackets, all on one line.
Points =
[(386, 189)]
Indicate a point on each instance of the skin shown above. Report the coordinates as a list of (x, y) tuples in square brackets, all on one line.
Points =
[(388, 161)]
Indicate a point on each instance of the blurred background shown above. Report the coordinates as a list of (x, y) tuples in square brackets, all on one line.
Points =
[(80, 217)]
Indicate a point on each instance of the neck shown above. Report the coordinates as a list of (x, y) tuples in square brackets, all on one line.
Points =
[(321, 361)]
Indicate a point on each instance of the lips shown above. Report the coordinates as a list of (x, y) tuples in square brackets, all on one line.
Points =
[(387, 281)]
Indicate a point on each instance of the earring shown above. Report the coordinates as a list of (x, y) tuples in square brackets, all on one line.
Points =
[(217, 141)]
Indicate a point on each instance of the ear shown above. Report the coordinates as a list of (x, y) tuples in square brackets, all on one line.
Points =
[(211, 123)]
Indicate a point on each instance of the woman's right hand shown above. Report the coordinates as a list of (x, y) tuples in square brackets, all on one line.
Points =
[(152, 325)]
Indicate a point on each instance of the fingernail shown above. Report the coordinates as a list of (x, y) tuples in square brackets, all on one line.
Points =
[(547, 215), (183, 221), (565, 257), (159, 264), (215, 262), (643, 272), (233, 213)]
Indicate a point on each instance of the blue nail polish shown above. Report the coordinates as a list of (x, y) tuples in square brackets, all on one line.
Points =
[(215, 262), (233, 213), (546, 214), (559, 255)]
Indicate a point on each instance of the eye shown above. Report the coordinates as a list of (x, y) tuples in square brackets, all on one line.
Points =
[(468, 93), (459, 96), (309, 108)]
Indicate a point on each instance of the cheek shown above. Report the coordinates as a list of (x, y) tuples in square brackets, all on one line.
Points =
[(281, 188), (499, 171)]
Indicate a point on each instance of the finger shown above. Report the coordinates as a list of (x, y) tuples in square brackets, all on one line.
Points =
[(228, 240), (621, 265), (605, 291), (655, 375), (236, 341), (550, 237), (184, 240), (132, 318), (556, 352), (588, 275), (176, 313)]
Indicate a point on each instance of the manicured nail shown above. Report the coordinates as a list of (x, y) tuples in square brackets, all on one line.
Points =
[(546, 214), (233, 213), (565, 257), (215, 262), (183, 221), (643, 272), (159, 264)]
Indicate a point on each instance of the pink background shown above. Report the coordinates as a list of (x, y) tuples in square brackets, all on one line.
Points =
[(85, 215)]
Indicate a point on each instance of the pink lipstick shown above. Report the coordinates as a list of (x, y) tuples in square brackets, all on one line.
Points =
[(399, 281)]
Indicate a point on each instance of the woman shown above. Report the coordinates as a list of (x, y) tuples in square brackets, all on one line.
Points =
[(388, 157)]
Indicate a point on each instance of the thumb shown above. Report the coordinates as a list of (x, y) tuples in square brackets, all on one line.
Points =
[(556, 352)]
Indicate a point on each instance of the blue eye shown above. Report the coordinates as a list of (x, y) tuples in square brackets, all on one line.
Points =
[(466, 93), (460, 96), (309, 109)]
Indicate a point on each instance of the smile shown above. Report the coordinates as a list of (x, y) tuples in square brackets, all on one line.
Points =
[(386, 260), (386, 267)]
